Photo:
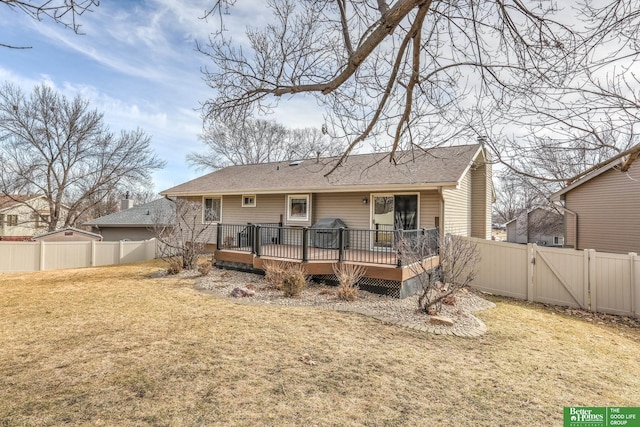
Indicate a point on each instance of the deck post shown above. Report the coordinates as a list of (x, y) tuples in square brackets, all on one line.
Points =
[(305, 244), (257, 242), (219, 236), (341, 244)]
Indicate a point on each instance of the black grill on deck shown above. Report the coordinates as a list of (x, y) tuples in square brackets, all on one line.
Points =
[(325, 233)]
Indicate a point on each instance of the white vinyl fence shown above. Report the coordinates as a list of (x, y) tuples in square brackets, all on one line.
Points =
[(596, 281), (35, 256)]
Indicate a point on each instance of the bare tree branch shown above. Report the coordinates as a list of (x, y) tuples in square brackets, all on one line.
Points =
[(63, 12)]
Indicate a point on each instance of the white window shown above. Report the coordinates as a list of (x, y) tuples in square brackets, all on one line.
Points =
[(558, 241), (212, 209), (248, 200), (298, 207)]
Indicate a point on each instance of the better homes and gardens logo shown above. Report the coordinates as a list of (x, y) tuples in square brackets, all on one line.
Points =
[(601, 416)]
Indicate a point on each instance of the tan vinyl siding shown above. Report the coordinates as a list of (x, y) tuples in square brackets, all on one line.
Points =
[(270, 208), (481, 199), (346, 206), (429, 208), (209, 234), (608, 209), (457, 208)]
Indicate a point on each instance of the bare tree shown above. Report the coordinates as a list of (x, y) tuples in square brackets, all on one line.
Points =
[(62, 149), (414, 74), (411, 71), (181, 234), (63, 12), (514, 194), (253, 141), (458, 260)]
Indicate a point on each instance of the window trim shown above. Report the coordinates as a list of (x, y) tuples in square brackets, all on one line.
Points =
[(9, 220), (247, 205), (307, 216), (204, 208)]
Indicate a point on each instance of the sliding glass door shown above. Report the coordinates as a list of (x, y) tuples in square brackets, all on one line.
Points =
[(392, 211)]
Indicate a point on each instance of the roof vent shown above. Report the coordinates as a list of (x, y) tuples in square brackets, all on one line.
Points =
[(296, 162)]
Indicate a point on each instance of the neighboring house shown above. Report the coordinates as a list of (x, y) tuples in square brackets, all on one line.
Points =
[(23, 216), (541, 225), (68, 234), (133, 222), (602, 208)]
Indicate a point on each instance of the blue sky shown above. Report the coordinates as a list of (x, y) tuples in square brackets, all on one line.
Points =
[(136, 63)]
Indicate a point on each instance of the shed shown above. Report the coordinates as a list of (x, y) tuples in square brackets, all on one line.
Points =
[(68, 234)]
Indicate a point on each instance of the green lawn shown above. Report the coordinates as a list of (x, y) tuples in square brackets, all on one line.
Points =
[(113, 346)]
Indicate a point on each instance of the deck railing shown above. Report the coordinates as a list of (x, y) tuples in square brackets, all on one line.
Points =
[(375, 246)]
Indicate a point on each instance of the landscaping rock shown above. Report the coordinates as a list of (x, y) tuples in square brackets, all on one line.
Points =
[(242, 292), (441, 320), (389, 310), (449, 300)]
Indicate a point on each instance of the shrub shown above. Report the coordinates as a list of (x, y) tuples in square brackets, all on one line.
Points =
[(204, 268), (294, 280), (348, 275), (175, 265), (274, 273)]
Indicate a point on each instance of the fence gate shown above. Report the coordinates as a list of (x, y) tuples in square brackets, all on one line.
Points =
[(596, 281), (559, 276)]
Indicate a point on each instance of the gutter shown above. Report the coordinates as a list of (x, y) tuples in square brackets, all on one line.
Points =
[(575, 226), (441, 232), (346, 189)]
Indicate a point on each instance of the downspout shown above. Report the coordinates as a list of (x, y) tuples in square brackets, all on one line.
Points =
[(441, 225), (575, 225)]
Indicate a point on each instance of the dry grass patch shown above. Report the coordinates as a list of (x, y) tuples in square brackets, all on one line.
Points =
[(114, 346)]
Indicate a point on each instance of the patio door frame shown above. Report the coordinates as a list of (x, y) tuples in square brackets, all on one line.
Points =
[(372, 203)]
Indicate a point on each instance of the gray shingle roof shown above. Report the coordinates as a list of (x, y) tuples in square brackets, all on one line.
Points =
[(438, 166), (147, 214)]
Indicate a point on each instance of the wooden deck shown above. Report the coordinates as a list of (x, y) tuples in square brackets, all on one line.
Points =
[(379, 265)]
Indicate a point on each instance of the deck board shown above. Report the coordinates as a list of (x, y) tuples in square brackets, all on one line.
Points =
[(379, 265)]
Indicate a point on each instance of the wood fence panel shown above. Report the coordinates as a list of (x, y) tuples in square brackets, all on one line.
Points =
[(559, 277), (16, 257), (502, 268), (613, 284)]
